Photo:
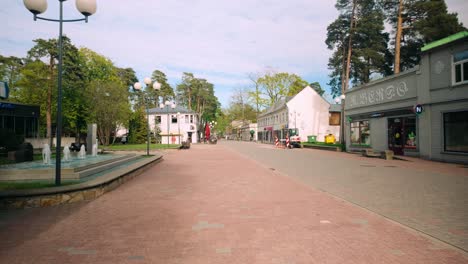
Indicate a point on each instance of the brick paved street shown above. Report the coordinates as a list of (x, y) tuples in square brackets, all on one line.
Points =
[(210, 204), (428, 196)]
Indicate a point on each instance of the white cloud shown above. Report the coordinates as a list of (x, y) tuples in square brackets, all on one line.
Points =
[(218, 40)]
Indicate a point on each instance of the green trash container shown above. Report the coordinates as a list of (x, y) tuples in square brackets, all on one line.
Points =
[(311, 139)]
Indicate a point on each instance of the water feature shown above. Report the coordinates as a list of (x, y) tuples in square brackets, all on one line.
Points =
[(74, 162), (66, 154), (82, 153), (46, 154), (94, 151)]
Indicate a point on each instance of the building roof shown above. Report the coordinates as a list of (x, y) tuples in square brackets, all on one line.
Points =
[(276, 106), (335, 108), (177, 109), (445, 41)]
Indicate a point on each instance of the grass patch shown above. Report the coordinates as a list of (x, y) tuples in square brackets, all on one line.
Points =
[(139, 146), (322, 144), (31, 185)]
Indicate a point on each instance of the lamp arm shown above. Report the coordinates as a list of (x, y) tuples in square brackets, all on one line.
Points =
[(63, 20)]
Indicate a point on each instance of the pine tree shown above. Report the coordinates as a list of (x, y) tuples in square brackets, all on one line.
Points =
[(421, 22), (358, 39)]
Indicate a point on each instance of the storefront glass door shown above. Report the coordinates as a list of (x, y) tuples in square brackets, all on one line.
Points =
[(401, 134)]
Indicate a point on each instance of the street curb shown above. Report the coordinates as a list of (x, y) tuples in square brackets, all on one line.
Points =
[(85, 191)]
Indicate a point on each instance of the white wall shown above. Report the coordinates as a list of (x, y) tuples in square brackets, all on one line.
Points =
[(182, 127), (309, 112)]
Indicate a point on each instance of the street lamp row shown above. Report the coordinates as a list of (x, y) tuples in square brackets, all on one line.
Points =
[(167, 104), (157, 87)]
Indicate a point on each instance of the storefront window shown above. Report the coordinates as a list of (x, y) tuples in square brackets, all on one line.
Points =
[(410, 132), (360, 133), (455, 135), (460, 67)]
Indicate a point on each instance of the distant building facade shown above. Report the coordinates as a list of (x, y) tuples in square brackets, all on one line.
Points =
[(175, 128), (307, 112), (421, 112)]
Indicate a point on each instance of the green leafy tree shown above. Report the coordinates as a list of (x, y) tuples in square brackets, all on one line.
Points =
[(297, 85), (127, 76), (166, 91), (107, 93), (111, 107), (317, 87), (10, 68), (34, 77), (198, 95), (47, 51), (137, 129)]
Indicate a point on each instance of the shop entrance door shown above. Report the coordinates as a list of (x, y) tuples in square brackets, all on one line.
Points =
[(401, 134), (395, 135)]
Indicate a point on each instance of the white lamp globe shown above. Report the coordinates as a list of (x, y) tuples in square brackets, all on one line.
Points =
[(337, 100), (342, 96), (86, 7), (137, 86), (147, 81), (36, 6), (167, 102), (161, 105), (173, 105), (156, 86)]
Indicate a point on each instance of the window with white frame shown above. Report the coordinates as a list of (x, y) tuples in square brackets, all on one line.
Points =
[(460, 67)]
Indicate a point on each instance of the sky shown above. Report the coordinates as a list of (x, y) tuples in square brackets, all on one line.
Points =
[(221, 41)]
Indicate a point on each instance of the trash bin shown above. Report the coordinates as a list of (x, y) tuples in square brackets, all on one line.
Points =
[(311, 139)]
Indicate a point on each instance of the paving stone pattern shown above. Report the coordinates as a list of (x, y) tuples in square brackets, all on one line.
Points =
[(428, 196), (212, 205)]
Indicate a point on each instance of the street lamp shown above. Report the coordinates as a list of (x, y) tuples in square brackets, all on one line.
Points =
[(87, 8), (138, 86), (172, 105)]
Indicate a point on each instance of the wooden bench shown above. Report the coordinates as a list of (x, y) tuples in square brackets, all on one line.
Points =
[(387, 154), (322, 147)]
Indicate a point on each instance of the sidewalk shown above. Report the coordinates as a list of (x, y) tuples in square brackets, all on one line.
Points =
[(212, 205)]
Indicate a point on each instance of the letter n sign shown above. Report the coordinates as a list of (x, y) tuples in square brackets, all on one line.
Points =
[(418, 109)]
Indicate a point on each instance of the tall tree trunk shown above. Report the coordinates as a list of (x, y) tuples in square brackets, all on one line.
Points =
[(350, 42), (189, 103), (343, 69), (396, 68)]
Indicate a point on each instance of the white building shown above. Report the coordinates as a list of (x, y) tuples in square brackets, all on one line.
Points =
[(307, 111), (176, 125), (245, 133)]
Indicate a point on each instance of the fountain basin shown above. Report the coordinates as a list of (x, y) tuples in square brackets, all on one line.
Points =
[(74, 169)]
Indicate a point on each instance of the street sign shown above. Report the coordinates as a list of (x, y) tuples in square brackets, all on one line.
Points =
[(418, 109)]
